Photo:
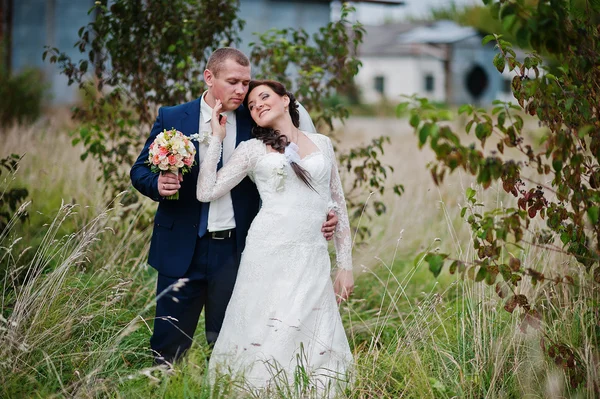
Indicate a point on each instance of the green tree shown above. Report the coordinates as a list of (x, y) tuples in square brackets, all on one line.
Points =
[(475, 15), (22, 94), (139, 55), (566, 101)]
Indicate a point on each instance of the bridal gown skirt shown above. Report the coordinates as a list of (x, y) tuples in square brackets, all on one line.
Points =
[(283, 317)]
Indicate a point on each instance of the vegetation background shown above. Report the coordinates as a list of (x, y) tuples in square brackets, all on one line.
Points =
[(77, 295)]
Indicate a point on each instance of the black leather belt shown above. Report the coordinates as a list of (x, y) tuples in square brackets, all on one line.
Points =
[(221, 235)]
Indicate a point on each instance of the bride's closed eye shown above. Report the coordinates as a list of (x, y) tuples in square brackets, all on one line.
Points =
[(263, 97)]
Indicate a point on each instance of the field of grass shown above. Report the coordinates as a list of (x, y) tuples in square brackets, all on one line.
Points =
[(77, 298)]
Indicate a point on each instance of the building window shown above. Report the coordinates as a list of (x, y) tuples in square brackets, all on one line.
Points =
[(429, 83), (379, 84), (507, 86)]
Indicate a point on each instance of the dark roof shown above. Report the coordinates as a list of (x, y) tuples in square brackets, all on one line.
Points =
[(413, 38), (388, 2)]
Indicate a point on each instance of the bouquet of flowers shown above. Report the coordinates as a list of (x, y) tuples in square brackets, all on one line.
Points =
[(171, 151)]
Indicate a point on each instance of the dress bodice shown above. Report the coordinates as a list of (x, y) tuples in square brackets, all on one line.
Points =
[(296, 206)]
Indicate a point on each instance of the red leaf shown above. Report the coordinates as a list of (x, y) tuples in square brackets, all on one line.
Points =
[(532, 212), (511, 304)]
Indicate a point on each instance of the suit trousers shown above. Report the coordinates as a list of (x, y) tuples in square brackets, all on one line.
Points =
[(211, 278)]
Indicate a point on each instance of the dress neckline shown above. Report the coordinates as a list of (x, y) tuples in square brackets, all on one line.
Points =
[(317, 151)]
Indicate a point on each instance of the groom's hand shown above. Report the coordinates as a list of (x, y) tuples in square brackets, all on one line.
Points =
[(328, 228), (168, 183)]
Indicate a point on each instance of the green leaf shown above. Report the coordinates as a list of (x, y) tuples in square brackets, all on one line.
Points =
[(470, 193), (487, 39), (593, 213), (557, 165), (509, 22), (490, 278), (499, 62), (418, 259), (469, 125), (401, 109), (424, 133), (569, 103), (436, 261), (584, 131), (415, 120), (481, 274), (465, 108), (483, 131)]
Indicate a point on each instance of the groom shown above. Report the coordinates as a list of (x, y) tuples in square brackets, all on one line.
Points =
[(200, 242)]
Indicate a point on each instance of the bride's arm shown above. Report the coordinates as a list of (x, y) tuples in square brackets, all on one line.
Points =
[(213, 185), (344, 280)]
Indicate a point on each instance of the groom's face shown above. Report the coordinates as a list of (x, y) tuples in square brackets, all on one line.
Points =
[(229, 84)]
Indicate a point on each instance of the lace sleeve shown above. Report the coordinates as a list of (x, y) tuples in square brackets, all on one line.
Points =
[(342, 239), (213, 185)]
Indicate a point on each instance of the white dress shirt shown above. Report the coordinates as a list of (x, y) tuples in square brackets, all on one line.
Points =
[(220, 213)]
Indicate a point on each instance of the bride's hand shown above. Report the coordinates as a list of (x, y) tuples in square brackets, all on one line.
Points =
[(343, 285), (217, 121)]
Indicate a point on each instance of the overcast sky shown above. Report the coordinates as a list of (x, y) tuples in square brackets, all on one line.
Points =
[(372, 14)]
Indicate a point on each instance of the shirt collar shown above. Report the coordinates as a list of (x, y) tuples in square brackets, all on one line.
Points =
[(206, 111)]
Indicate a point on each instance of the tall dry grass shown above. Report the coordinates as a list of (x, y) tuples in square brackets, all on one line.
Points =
[(77, 307)]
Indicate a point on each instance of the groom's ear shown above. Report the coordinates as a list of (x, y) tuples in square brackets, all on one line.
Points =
[(208, 77)]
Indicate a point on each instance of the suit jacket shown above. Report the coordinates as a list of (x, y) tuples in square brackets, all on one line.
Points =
[(176, 221)]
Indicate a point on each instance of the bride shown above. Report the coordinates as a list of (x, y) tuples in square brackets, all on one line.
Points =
[(283, 318)]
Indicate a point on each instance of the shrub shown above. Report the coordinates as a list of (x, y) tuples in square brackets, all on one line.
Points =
[(21, 96)]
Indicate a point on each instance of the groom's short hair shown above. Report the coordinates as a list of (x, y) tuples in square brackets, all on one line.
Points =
[(219, 56)]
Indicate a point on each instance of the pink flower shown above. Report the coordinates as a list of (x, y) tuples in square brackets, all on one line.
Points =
[(188, 161), (172, 160), (156, 159)]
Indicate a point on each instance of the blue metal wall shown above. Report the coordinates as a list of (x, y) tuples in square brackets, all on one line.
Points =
[(261, 15), (37, 23)]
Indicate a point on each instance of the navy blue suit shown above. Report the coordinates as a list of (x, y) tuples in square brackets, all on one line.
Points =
[(176, 251)]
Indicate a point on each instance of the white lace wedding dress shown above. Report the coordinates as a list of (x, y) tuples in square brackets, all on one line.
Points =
[(283, 315)]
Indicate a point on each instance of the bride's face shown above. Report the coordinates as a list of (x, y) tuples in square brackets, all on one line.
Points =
[(266, 107)]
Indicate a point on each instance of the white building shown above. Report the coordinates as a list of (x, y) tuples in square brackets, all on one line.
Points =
[(439, 60)]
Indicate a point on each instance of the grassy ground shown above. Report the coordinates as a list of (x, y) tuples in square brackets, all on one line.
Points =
[(77, 300)]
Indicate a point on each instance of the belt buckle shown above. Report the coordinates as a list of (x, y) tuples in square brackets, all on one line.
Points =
[(214, 235)]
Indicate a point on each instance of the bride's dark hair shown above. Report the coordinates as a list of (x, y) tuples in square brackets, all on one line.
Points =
[(273, 137)]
